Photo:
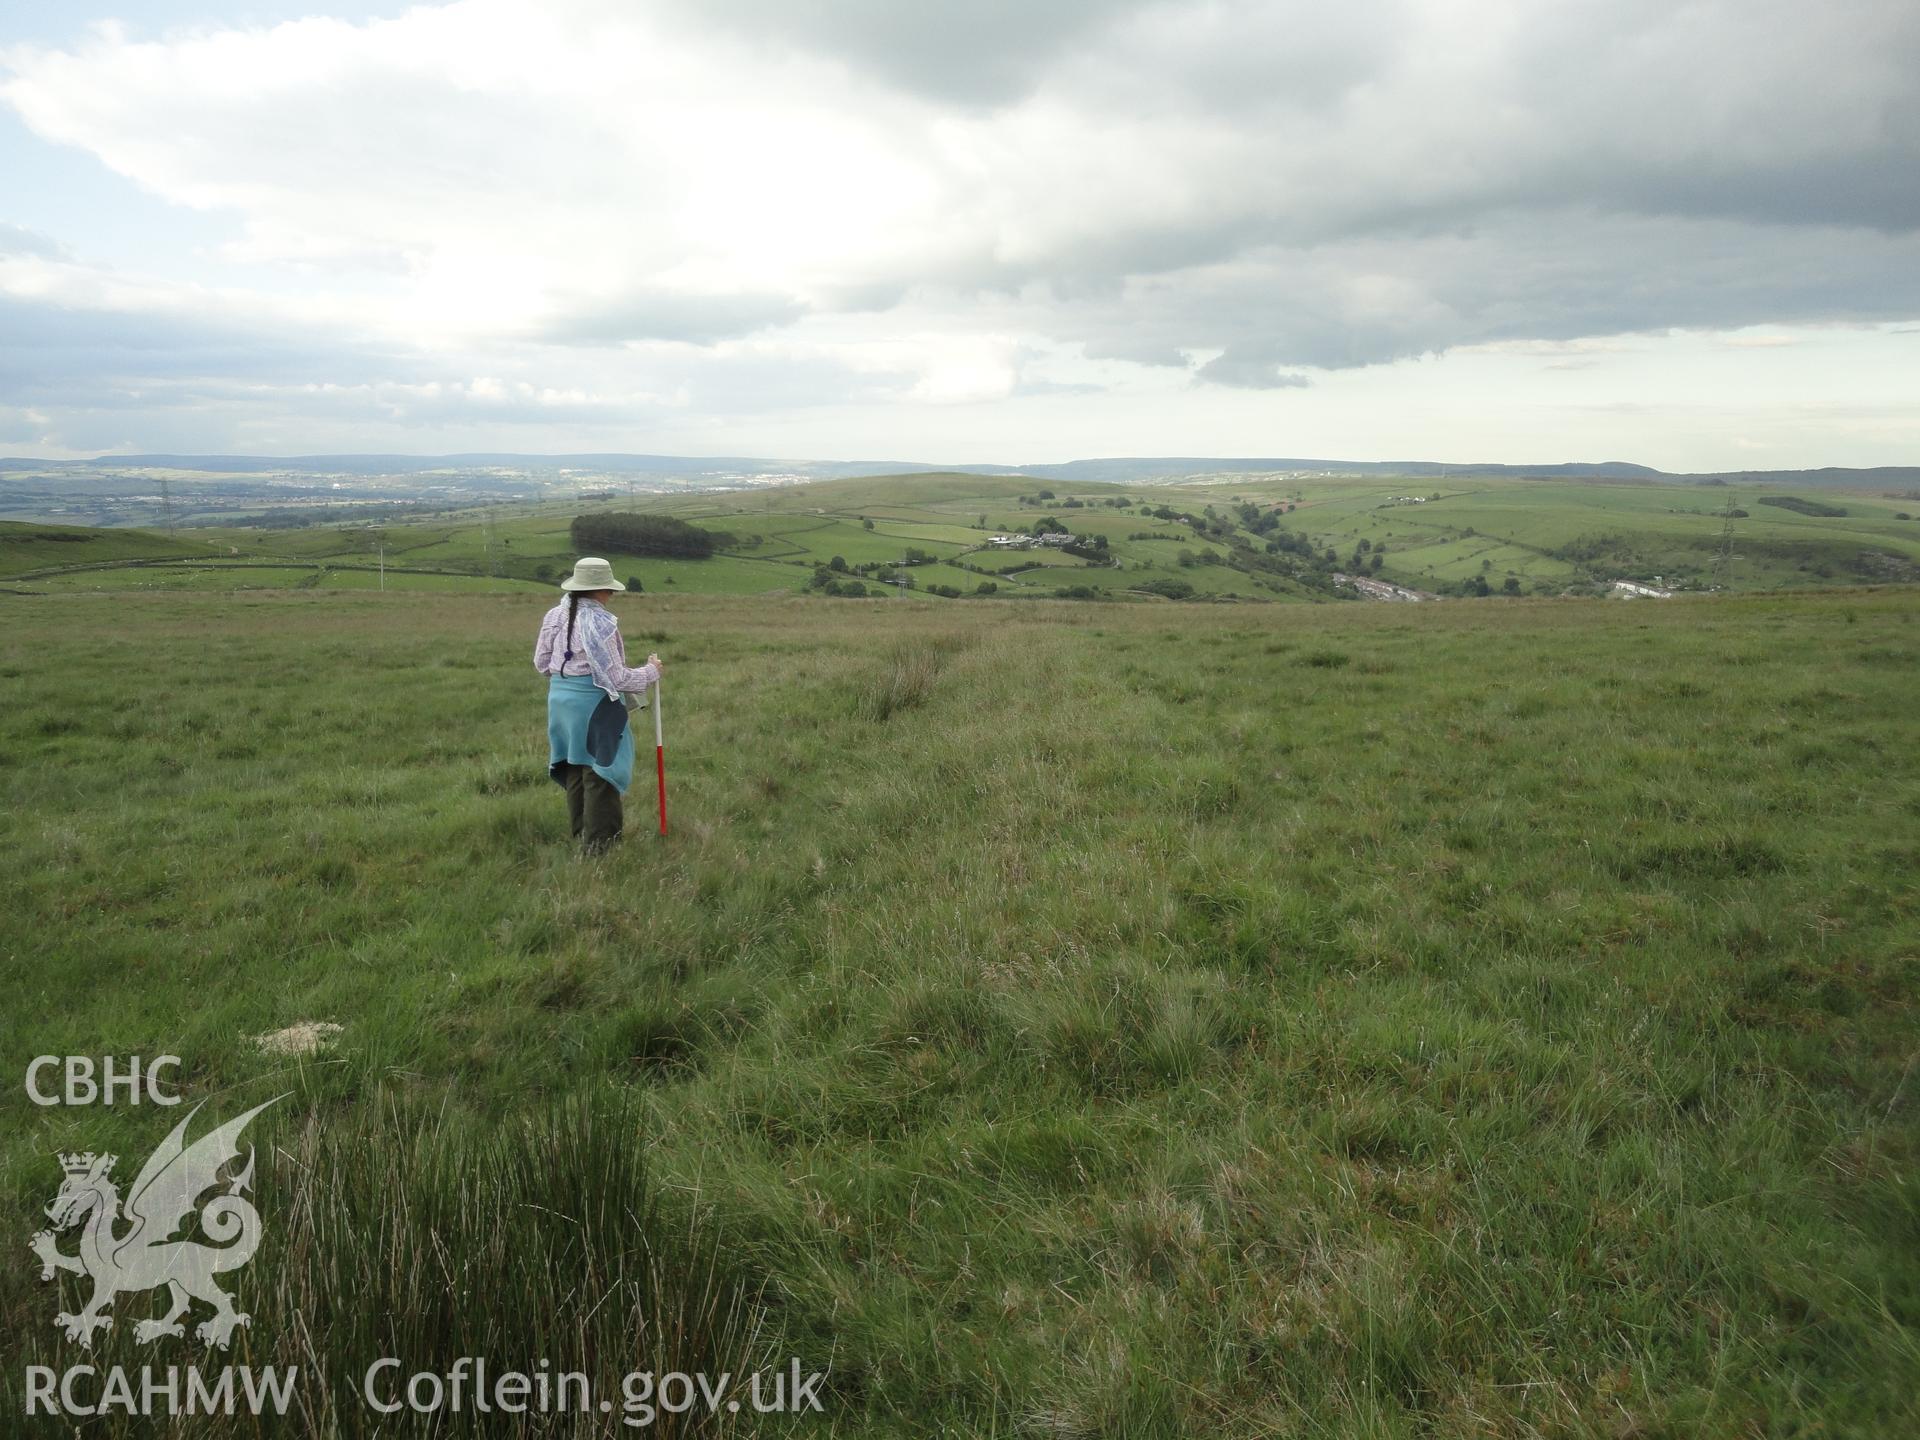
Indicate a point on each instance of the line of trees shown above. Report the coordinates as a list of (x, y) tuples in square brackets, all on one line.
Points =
[(645, 535), (1803, 507)]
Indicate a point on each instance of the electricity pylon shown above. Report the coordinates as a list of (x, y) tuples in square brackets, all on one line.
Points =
[(1723, 554)]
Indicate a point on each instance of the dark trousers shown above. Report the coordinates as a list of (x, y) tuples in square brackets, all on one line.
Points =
[(593, 808)]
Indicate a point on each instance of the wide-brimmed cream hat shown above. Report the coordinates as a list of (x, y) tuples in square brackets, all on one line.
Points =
[(591, 573)]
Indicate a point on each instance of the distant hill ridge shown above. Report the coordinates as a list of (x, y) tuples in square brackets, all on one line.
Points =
[(1118, 469)]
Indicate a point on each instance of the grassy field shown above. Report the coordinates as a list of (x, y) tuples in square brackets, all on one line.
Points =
[(32, 549), (1481, 1019), (1552, 534)]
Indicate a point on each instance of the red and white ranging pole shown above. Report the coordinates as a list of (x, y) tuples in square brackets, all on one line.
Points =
[(660, 757)]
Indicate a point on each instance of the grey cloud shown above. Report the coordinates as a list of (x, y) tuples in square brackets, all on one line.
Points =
[(694, 319), (18, 240), (17, 427), (1141, 352), (984, 51), (1245, 58), (107, 379), (1026, 387), (1590, 168), (870, 297), (1561, 276), (223, 414), (1383, 115), (751, 384), (1249, 374), (1766, 110), (55, 348)]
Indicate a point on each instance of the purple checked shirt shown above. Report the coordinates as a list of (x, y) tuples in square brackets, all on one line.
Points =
[(598, 649)]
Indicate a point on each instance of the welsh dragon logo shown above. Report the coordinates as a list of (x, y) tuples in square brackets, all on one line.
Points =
[(129, 1248)]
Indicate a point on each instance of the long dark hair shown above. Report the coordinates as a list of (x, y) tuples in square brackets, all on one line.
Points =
[(573, 608)]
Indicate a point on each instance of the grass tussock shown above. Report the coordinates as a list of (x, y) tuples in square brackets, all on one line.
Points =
[(906, 679), (431, 1239)]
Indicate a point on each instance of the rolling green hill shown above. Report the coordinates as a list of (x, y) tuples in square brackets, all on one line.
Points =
[(1270, 540), (27, 550)]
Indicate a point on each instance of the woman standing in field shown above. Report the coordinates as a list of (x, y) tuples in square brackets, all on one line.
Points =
[(590, 746)]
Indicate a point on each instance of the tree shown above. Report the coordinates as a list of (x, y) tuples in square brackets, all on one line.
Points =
[(986, 587), (1044, 495), (865, 524), (838, 564), (1373, 565), (633, 584), (1511, 585), (614, 533)]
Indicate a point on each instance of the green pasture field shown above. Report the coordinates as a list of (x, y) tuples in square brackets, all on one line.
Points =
[(720, 575), (1519, 525), (246, 575), (1470, 1019), (27, 548)]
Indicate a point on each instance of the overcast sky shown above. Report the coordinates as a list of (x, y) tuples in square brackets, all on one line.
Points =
[(1686, 234)]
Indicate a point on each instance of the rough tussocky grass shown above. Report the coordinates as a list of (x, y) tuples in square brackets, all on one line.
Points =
[(536, 1246), (1073, 1020)]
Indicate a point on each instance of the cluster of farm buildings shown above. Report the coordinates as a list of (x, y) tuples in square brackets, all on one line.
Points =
[(1028, 542)]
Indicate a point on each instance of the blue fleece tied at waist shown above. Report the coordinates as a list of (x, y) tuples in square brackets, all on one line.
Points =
[(584, 727)]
